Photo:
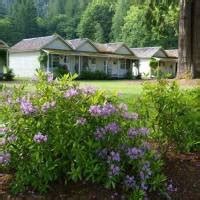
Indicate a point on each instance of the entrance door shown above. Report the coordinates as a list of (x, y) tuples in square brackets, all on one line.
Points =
[(114, 67)]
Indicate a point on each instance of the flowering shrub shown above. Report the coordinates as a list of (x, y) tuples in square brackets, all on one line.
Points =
[(62, 131)]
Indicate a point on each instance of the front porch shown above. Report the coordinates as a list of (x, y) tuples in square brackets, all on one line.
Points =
[(113, 65)]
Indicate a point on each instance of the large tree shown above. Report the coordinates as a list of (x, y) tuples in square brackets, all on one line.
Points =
[(189, 39)]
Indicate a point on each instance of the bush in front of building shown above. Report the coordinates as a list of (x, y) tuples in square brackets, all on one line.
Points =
[(96, 75), (64, 132)]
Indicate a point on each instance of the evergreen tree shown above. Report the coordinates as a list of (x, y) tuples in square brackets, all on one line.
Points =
[(24, 15), (99, 11), (2, 9), (121, 10), (98, 36)]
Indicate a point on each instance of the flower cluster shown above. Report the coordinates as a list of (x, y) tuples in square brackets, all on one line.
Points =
[(171, 188), (133, 132), (71, 93), (130, 181), (81, 121), (48, 105), (135, 153), (50, 77), (100, 133), (4, 158), (27, 107), (123, 107), (40, 138), (88, 90), (112, 128), (130, 116), (114, 170), (105, 110), (3, 129), (114, 156)]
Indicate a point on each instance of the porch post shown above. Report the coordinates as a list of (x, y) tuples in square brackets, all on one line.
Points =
[(107, 66), (7, 59), (118, 67), (79, 66), (48, 62)]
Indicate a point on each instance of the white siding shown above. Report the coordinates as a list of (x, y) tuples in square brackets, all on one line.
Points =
[(144, 67), (123, 50), (24, 64), (87, 47), (58, 44)]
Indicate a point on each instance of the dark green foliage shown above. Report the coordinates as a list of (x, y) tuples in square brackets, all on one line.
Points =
[(8, 75), (138, 23), (173, 115), (97, 75), (60, 72)]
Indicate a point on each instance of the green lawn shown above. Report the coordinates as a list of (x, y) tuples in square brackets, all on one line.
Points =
[(129, 90)]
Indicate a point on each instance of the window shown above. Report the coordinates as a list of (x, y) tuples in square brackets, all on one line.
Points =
[(114, 62), (122, 64), (56, 60), (93, 61), (66, 59)]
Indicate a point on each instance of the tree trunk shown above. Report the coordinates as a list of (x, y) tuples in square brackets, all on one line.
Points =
[(196, 38), (189, 39), (185, 32)]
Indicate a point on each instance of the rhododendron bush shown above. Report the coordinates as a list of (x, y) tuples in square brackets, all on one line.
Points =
[(64, 132)]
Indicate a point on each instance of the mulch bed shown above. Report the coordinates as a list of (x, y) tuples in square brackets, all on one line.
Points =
[(182, 169)]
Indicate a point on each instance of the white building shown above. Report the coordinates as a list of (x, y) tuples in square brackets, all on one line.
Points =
[(167, 60), (115, 59)]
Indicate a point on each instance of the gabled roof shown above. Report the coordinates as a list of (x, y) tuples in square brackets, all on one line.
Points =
[(3, 45), (111, 47), (172, 53), (147, 52), (77, 43), (34, 44)]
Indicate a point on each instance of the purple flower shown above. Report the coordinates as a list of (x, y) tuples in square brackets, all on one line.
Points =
[(88, 90), (95, 110), (3, 130), (108, 109), (144, 186), (50, 77), (130, 181), (113, 128), (132, 133), (4, 158), (34, 78), (81, 121), (3, 141), (145, 172), (102, 153), (123, 107), (130, 116), (114, 156), (171, 187), (114, 170), (100, 133), (105, 110), (12, 138), (134, 153), (144, 131), (70, 93), (27, 107), (40, 138), (9, 101), (48, 105)]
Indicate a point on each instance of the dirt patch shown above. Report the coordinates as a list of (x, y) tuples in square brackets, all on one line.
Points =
[(184, 171)]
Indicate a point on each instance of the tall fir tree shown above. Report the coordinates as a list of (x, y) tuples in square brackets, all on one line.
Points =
[(24, 16)]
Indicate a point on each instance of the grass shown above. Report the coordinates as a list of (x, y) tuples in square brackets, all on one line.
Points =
[(128, 90)]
